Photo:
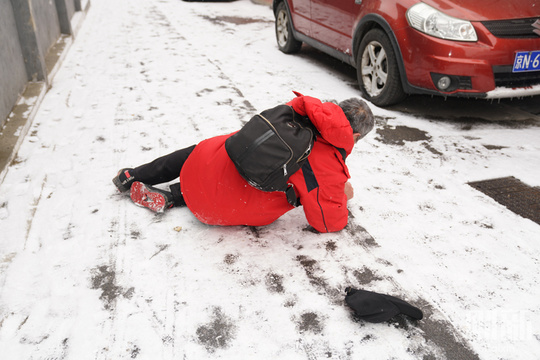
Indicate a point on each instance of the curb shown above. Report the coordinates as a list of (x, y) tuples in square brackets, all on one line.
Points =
[(18, 122), (23, 113), (263, 2)]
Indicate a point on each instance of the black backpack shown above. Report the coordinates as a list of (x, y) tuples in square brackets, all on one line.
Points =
[(271, 147)]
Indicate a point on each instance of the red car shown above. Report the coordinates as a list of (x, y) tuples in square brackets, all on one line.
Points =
[(474, 48)]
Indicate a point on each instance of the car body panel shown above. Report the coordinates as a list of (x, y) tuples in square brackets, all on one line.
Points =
[(332, 22), (481, 10), (301, 15)]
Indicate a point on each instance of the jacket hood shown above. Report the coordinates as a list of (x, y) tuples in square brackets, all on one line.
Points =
[(328, 118)]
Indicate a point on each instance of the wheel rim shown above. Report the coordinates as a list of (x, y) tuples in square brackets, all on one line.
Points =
[(282, 29), (374, 68)]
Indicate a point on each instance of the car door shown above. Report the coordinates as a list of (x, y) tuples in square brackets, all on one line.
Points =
[(332, 22), (301, 15)]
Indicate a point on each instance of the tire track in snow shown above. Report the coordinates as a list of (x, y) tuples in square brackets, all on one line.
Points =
[(229, 92), (33, 210)]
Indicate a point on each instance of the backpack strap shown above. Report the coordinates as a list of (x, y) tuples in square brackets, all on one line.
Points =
[(342, 152), (291, 196)]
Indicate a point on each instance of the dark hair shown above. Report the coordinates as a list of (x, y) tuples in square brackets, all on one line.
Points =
[(359, 115)]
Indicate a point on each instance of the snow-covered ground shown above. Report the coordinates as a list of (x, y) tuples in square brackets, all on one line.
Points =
[(85, 274)]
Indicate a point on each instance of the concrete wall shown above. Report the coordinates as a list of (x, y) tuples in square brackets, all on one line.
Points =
[(45, 18), (28, 30), (12, 70)]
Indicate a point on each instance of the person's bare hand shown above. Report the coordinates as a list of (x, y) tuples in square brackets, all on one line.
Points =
[(349, 191)]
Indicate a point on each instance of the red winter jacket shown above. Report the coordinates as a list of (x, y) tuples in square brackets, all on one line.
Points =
[(217, 195)]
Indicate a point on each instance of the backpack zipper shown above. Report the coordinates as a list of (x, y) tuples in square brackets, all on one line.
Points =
[(280, 138), (291, 151)]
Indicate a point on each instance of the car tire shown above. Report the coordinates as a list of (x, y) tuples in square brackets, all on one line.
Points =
[(284, 35), (377, 70)]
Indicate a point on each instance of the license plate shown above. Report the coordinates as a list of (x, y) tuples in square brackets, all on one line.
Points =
[(527, 61)]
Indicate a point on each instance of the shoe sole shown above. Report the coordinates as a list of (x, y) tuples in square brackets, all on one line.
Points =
[(147, 198), (116, 181)]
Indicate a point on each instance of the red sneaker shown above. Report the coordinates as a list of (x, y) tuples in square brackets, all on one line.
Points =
[(150, 197)]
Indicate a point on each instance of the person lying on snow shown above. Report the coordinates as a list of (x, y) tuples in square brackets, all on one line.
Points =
[(214, 191)]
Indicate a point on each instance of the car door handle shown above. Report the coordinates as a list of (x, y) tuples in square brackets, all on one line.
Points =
[(359, 2)]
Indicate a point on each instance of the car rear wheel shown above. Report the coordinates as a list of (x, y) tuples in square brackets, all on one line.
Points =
[(377, 70), (285, 39)]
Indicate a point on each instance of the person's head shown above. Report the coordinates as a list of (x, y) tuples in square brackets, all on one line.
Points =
[(359, 115)]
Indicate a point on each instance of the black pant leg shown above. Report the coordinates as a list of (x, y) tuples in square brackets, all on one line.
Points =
[(163, 169), (178, 198)]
